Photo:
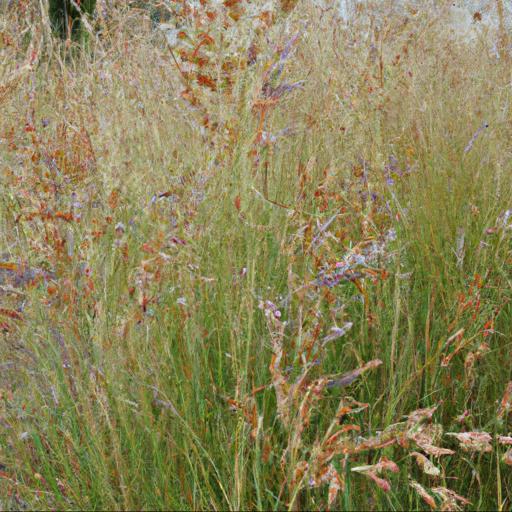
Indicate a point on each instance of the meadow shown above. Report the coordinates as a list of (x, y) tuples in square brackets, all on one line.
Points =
[(256, 256)]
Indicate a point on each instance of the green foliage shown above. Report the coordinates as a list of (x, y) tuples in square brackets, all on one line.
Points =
[(65, 17), (253, 263)]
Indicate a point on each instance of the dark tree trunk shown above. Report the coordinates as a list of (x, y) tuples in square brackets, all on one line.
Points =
[(65, 17)]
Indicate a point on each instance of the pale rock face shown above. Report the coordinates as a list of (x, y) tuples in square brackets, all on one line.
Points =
[(466, 18), (171, 33), (461, 15), (471, 18), (460, 12)]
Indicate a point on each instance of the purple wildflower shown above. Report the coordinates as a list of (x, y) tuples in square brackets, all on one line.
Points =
[(270, 309), (467, 149), (392, 169), (275, 93), (283, 56)]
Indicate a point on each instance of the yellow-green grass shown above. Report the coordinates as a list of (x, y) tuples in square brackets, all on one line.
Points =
[(139, 366)]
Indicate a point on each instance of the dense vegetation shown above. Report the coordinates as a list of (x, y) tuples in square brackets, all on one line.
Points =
[(258, 257), (66, 16)]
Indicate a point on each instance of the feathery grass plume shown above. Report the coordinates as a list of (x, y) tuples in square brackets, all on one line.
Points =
[(424, 495), (506, 402), (426, 465), (450, 499), (473, 441)]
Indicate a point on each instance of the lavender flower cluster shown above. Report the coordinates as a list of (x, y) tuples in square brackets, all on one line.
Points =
[(353, 263)]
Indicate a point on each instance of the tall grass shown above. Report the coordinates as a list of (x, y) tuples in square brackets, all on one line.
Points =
[(258, 261)]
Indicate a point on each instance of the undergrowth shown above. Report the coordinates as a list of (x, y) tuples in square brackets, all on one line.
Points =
[(255, 257)]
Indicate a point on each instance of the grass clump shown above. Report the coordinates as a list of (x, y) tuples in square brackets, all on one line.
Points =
[(257, 258)]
